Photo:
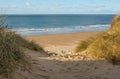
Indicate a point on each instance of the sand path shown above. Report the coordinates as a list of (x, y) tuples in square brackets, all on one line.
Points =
[(45, 67), (71, 67)]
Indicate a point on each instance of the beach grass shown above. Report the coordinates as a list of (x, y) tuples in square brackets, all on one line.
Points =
[(26, 44), (83, 45), (12, 54), (104, 46)]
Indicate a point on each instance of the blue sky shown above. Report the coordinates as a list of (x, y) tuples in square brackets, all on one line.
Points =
[(59, 6)]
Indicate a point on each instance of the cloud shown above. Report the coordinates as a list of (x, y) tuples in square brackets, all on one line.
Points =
[(28, 4), (57, 5), (7, 8)]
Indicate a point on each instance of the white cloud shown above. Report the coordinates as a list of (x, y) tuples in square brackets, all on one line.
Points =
[(57, 5), (28, 4)]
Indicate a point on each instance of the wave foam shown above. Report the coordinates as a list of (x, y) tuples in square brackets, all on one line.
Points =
[(38, 31)]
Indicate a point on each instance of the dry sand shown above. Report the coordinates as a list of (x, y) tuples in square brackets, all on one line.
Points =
[(70, 67), (61, 42)]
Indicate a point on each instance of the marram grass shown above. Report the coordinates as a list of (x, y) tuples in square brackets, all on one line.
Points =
[(25, 43), (12, 55), (83, 45), (106, 45)]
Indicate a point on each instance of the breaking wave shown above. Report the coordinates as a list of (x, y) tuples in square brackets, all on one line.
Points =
[(57, 30)]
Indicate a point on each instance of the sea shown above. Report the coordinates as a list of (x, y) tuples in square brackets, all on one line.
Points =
[(29, 25)]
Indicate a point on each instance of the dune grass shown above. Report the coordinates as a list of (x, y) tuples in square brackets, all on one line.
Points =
[(12, 54), (83, 45), (26, 44), (106, 45)]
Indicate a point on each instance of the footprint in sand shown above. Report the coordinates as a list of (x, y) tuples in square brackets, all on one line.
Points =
[(44, 76), (42, 70)]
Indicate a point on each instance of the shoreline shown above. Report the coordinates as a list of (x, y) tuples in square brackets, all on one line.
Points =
[(63, 33)]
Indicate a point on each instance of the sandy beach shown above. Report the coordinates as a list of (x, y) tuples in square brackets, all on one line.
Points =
[(61, 42)]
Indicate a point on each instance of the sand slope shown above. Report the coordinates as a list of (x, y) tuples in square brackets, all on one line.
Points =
[(44, 67), (68, 67)]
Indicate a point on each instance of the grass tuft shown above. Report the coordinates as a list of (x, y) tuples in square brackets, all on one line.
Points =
[(83, 45), (25, 43), (12, 55), (106, 45)]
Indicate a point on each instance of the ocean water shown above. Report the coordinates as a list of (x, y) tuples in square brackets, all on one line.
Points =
[(28, 25)]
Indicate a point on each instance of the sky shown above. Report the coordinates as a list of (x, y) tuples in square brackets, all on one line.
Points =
[(59, 6)]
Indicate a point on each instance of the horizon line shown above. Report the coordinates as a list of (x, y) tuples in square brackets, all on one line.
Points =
[(58, 14)]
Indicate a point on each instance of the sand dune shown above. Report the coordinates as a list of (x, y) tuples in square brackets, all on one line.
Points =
[(65, 67), (44, 67), (68, 67)]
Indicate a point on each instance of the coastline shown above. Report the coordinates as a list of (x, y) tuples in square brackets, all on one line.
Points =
[(61, 42)]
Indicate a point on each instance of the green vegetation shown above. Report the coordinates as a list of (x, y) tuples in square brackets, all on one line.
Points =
[(12, 55), (106, 45), (83, 45), (25, 43)]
